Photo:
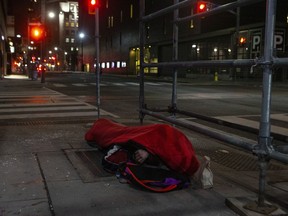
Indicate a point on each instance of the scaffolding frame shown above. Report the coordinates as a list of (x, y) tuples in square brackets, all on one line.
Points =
[(263, 148)]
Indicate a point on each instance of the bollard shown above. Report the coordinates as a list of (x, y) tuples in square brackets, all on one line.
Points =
[(216, 77)]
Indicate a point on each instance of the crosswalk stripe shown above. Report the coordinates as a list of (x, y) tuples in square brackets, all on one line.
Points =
[(281, 117), (153, 83), (44, 108), (61, 85), (45, 103), (132, 83), (118, 84), (79, 84), (48, 115), (21, 105)]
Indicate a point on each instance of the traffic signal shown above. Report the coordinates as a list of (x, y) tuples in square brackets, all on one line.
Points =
[(201, 7), (92, 5), (37, 32), (242, 41)]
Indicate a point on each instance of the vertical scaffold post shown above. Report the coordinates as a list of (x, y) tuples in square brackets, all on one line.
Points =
[(97, 54), (175, 58), (265, 124), (142, 42), (265, 147)]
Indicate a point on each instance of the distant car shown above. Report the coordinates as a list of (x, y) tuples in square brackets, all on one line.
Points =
[(40, 69)]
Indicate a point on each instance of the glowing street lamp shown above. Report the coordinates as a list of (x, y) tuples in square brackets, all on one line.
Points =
[(81, 36)]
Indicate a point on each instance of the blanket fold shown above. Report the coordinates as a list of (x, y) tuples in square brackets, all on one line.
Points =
[(163, 140)]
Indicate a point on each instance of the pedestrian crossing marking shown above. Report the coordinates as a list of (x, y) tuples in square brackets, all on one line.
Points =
[(48, 115), (118, 84), (79, 84), (45, 108), (61, 85), (45, 103), (153, 83)]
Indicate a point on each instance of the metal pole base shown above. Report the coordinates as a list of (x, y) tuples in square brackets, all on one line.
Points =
[(266, 209)]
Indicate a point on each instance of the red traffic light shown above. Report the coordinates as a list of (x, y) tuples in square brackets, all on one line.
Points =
[(201, 7), (37, 33), (92, 5), (242, 41)]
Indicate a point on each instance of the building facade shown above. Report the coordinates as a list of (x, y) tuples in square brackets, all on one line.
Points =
[(62, 43), (215, 37), (3, 38)]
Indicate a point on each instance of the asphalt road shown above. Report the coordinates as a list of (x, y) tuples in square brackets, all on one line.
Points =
[(233, 102)]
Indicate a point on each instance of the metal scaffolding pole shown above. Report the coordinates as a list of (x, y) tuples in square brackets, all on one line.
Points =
[(263, 148), (264, 139), (97, 37), (175, 58), (142, 42)]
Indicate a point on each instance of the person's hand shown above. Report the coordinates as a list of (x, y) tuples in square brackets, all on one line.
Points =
[(140, 156)]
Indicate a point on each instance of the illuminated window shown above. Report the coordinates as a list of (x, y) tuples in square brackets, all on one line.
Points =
[(123, 64), (121, 16), (107, 64), (118, 64), (131, 11), (112, 64), (110, 21), (67, 40), (72, 40)]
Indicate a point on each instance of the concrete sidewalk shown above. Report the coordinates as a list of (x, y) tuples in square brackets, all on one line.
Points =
[(44, 172)]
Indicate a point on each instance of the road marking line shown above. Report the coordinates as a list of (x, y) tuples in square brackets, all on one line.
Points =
[(79, 84), (59, 85), (41, 109), (118, 84), (152, 83), (132, 83)]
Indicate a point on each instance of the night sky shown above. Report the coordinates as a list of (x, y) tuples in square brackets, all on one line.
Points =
[(20, 10)]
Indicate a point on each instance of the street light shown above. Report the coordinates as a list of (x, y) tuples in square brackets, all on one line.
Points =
[(82, 35), (51, 14)]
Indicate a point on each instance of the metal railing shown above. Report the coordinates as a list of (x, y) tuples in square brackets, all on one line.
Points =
[(263, 148)]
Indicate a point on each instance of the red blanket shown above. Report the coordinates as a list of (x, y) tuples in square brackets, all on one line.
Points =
[(163, 140)]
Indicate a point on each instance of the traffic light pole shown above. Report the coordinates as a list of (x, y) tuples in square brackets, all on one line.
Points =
[(43, 20), (97, 61)]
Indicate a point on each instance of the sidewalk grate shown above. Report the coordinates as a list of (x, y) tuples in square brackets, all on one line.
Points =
[(93, 161), (237, 160)]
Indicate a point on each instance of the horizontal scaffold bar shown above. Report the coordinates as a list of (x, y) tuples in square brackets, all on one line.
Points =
[(206, 63)]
